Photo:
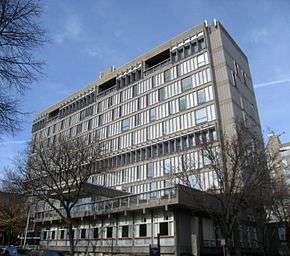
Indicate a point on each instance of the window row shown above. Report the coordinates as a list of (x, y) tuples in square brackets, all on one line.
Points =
[(193, 99), (164, 228), (161, 149), (155, 81), (172, 165)]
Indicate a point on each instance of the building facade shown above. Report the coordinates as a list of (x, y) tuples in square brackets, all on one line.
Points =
[(147, 115)]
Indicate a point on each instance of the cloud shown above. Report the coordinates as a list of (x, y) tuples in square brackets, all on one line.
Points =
[(13, 142), (266, 84), (259, 35), (71, 29)]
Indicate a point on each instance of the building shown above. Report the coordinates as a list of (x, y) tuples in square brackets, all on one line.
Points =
[(282, 150), (281, 155), (147, 114)]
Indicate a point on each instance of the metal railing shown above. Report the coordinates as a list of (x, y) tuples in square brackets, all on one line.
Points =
[(113, 204)]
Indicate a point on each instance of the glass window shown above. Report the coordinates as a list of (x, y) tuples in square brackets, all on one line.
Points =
[(161, 94), (167, 75), (152, 114), (125, 124), (150, 170), (186, 84), (53, 234), (167, 166), (137, 119), (201, 96), (201, 43), (182, 103), (135, 90), (62, 234), (44, 235), (90, 124), (138, 172), (79, 128), (125, 231), (83, 233), (142, 230), (96, 232), (109, 232), (200, 115), (101, 120), (163, 228)]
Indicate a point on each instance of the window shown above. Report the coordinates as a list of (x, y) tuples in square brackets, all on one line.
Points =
[(163, 228), (125, 124), (201, 96), (62, 124), (44, 236), (186, 84), (125, 231), (152, 114), (62, 234), (234, 81), (161, 94), (135, 90), (90, 124), (96, 232), (182, 103), (138, 172), (201, 43), (200, 115), (79, 128), (101, 120), (142, 230), (137, 119), (187, 51), (109, 232), (167, 166), (83, 233), (82, 115), (53, 234), (167, 75), (110, 101), (150, 170)]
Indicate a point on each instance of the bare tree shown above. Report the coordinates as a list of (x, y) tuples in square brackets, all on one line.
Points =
[(13, 211), (242, 182), (20, 35), (57, 175)]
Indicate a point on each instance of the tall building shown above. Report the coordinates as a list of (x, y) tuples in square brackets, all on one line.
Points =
[(147, 114)]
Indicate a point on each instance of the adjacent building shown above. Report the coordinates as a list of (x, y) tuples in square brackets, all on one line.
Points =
[(147, 115)]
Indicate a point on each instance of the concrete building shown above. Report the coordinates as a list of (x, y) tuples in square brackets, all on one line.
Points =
[(147, 114)]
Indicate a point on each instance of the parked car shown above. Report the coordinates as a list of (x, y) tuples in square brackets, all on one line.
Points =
[(16, 251), (51, 253)]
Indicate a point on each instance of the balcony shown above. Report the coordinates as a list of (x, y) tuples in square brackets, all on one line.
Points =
[(124, 203)]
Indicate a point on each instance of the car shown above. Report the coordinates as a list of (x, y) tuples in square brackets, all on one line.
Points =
[(16, 251), (51, 253)]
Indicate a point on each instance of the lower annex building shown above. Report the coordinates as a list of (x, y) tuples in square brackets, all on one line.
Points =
[(147, 115)]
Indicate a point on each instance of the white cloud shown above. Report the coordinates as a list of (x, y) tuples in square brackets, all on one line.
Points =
[(259, 35), (266, 84), (71, 29), (13, 142)]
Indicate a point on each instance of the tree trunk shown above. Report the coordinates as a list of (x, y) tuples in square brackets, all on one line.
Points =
[(70, 235)]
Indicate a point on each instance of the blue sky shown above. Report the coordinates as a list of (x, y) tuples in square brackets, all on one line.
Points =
[(88, 36)]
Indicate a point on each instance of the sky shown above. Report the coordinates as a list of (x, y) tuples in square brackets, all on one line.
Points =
[(89, 36)]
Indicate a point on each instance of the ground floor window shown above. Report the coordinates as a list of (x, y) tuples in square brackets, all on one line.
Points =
[(109, 232), (142, 230), (163, 228), (125, 231)]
